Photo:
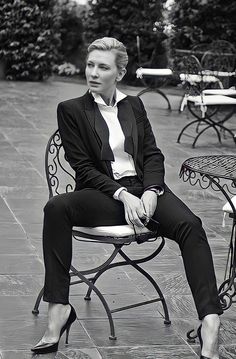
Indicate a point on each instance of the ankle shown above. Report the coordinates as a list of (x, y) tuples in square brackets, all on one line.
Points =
[(210, 336), (211, 322), (57, 315)]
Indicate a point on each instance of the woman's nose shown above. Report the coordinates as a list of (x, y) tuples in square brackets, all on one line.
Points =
[(94, 72)]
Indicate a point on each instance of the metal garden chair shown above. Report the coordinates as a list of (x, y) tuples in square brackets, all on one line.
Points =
[(210, 104), (60, 179)]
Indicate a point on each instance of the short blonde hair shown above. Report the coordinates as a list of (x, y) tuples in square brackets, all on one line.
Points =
[(111, 44)]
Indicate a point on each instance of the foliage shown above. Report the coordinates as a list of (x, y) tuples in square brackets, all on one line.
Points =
[(202, 21), (125, 20), (29, 38), (71, 29), (66, 69)]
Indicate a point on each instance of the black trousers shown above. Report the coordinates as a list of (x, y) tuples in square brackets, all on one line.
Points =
[(90, 207)]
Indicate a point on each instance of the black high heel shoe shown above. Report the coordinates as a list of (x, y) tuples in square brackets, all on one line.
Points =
[(200, 340), (53, 347)]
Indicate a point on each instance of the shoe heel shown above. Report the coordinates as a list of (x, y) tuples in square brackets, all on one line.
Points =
[(67, 333), (200, 335)]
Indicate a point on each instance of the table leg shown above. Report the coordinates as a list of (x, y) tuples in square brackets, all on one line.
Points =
[(150, 89), (227, 290)]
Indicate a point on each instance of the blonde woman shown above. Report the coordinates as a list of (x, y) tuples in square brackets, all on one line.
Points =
[(119, 170)]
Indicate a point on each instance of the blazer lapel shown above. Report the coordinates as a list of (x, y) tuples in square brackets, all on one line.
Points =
[(103, 132), (128, 124), (127, 121), (99, 127)]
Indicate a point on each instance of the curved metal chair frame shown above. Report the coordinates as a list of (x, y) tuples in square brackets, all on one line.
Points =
[(198, 79), (160, 82), (152, 83), (60, 180)]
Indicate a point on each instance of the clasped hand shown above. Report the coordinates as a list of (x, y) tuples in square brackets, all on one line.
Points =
[(138, 211)]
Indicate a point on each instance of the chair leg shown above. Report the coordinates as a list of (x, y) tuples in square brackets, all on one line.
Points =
[(35, 311), (149, 89), (153, 282), (128, 261), (123, 263), (101, 297), (95, 278), (208, 125), (202, 131)]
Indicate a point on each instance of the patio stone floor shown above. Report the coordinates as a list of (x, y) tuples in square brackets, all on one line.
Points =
[(27, 118)]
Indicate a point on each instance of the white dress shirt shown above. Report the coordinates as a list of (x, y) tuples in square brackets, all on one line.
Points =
[(123, 165)]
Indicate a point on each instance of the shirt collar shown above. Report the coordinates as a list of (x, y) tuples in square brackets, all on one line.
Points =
[(118, 96)]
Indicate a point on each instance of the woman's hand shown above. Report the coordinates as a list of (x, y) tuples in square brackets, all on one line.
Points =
[(133, 208), (149, 201)]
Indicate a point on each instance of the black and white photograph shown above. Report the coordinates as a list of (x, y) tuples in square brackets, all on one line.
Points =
[(117, 179)]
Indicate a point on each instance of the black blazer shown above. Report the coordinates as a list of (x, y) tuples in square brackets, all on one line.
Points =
[(85, 138)]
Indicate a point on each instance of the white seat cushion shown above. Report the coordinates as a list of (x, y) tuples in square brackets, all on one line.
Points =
[(194, 78), (227, 207), (112, 231), (153, 72), (208, 100), (225, 92)]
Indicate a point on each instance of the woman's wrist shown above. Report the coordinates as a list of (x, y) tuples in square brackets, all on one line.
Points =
[(157, 190), (117, 193), (122, 195)]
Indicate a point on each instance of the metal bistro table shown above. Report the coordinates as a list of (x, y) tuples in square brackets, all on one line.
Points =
[(217, 172)]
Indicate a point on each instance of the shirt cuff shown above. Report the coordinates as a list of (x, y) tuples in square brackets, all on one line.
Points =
[(117, 192), (159, 190)]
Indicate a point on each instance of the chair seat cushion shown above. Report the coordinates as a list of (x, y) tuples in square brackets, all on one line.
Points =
[(212, 100), (224, 92), (153, 72), (227, 207), (194, 78), (111, 231)]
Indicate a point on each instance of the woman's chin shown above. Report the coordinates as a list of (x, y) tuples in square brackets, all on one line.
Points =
[(94, 89)]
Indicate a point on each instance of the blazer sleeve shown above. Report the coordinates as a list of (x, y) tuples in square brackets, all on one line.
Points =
[(153, 159), (87, 173)]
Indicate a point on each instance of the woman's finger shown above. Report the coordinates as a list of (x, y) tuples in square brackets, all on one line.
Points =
[(127, 217), (136, 220)]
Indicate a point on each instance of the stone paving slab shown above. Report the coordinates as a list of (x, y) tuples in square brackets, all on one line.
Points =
[(27, 119)]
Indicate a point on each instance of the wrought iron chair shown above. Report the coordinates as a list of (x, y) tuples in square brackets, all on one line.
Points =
[(220, 61), (153, 78), (60, 179), (205, 97), (195, 79)]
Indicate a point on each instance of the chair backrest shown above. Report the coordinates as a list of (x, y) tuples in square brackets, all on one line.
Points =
[(60, 176), (193, 78), (222, 46), (220, 63), (198, 50)]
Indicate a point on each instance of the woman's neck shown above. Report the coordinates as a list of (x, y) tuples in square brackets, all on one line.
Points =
[(109, 99)]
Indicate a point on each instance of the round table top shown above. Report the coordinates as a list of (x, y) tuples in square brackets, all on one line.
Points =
[(222, 166)]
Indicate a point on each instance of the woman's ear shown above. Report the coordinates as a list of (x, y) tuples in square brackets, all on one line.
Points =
[(120, 75)]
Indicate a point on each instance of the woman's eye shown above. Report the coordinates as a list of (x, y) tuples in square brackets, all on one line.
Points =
[(89, 65)]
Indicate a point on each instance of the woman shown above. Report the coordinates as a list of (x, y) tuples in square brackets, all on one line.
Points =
[(119, 170)]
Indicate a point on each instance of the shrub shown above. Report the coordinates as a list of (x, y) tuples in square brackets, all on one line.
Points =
[(125, 20), (202, 21), (71, 30), (29, 38)]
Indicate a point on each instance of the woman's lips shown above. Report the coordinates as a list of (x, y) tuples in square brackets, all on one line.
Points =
[(94, 83)]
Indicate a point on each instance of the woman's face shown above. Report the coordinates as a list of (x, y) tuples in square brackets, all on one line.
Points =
[(102, 72)]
